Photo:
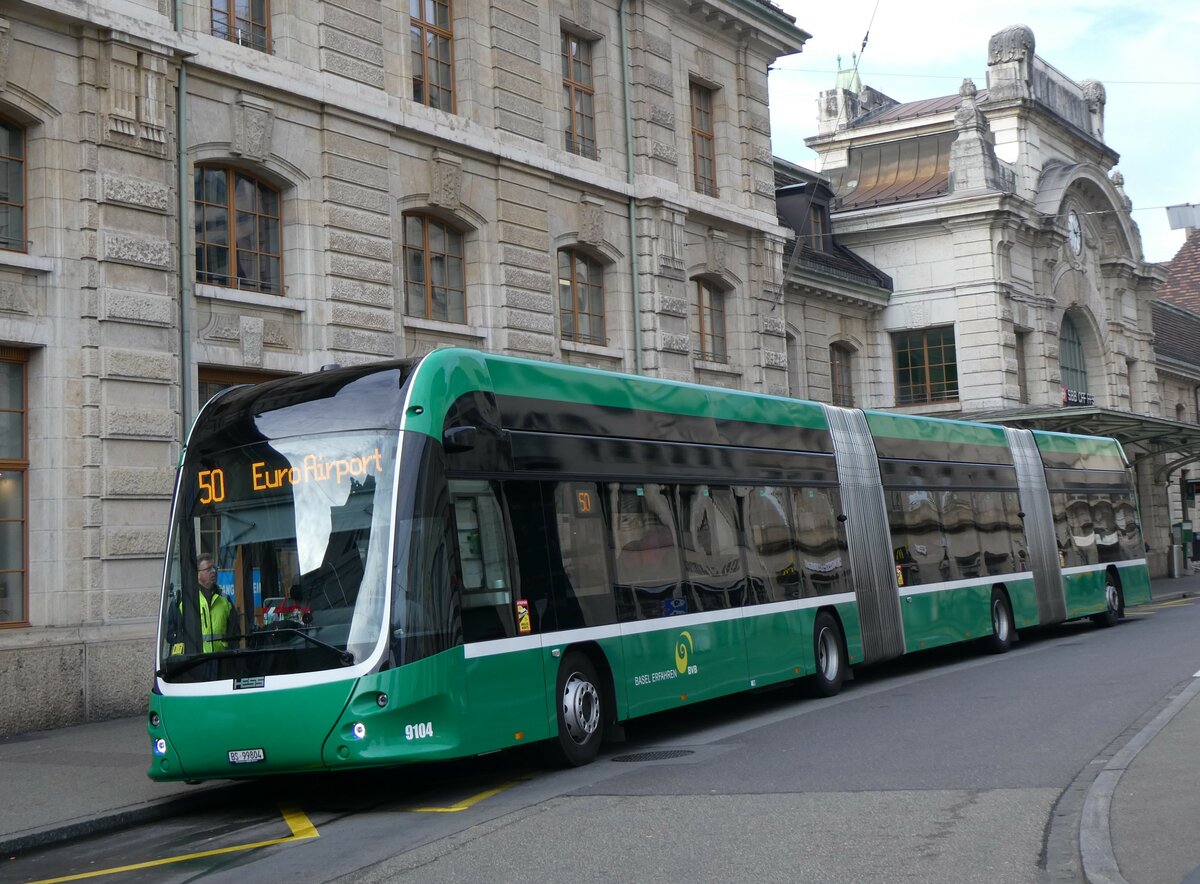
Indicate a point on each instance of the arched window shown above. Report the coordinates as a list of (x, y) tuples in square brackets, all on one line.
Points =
[(238, 230), (12, 186), (708, 322), (434, 278), (840, 380), (1070, 355), (581, 297)]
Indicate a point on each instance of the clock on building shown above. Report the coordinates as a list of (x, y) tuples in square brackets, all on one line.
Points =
[(1074, 232)]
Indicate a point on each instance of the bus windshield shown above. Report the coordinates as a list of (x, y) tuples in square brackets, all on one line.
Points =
[(278, 556)]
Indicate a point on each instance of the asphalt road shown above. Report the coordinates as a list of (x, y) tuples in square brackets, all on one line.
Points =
[(950, 766)]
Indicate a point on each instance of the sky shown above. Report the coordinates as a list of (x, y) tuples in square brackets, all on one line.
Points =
[(1146, 54)]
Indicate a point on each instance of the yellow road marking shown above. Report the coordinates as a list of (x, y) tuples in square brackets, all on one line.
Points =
[(299, 824), (1173, 603), (466, 803)]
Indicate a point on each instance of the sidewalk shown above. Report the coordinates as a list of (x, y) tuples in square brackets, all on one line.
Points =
[(75, 781)]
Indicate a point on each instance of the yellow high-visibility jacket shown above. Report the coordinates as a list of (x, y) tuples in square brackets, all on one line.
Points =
[(214, 623)]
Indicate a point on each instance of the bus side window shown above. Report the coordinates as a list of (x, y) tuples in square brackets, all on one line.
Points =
[(1127, 526), (1083, 533), (1104, 524), (771, 545), (647, 579), (487, 602), (531, 517), (823, 555), (712, 561), (582, 589)]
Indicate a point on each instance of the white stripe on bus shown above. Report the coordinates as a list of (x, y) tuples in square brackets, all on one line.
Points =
[(491, 648)]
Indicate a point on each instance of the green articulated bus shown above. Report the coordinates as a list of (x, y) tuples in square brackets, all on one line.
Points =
[(435, 558)]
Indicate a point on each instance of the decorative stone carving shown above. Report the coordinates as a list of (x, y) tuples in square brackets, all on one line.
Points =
[(664, 152), (251, 334), (14, 299), (253, 126), (581, 11), (704, 63), (1014, 43), (673, 306), (591, 220), (1095, 97), (675, 343), (126, 249), (445, 180), (773, 325), (662, 115), (718, 251), (973, 162), (1118, 181), (917, 314), (774, 359), (135, 192)]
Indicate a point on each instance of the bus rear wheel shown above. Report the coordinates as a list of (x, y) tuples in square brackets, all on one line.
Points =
[(1002, 624), (1114, 605), (828, 655), (580, 710)]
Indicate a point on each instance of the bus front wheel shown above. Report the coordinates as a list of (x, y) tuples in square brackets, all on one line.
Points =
[(828, 656), (580, 710)]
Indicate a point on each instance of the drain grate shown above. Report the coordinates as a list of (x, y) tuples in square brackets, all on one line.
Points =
[(660, 755)]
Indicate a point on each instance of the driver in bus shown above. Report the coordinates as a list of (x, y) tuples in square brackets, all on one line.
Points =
[(216, 611)]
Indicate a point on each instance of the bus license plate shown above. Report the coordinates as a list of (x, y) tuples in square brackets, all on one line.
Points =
[(246, 756)]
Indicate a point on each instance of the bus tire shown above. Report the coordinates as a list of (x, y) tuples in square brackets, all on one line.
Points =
[(828, 655), (581, 714), (1002, 624), (1114, 604)]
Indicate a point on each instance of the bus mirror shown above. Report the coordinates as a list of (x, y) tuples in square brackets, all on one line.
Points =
[(456, 440)]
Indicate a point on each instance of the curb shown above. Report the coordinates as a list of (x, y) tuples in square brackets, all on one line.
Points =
[(202, 799), (1095, 836)]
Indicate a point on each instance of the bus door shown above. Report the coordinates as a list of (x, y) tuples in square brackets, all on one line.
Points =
[(505, 679)]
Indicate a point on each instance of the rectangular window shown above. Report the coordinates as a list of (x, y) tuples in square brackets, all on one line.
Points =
[(238, 231), (647, 579), (926, 367), (432, 53), (841, 385), (1022, 378), (14, 467), (712, 562), (708, 323), (703, 141), (12, 187), (245, 22), (434, 270), (579, 95), (581, 297), (816, 228)]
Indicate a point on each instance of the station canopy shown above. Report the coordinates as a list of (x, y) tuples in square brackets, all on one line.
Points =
[(1143, 437)]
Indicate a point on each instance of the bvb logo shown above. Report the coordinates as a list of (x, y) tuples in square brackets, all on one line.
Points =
[(683, 651)]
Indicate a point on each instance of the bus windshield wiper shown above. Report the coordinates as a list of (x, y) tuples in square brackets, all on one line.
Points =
[(346, 658), (171, 669)]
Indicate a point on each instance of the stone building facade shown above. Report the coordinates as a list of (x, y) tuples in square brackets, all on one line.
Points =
[(194, 198), (1019, 280)]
